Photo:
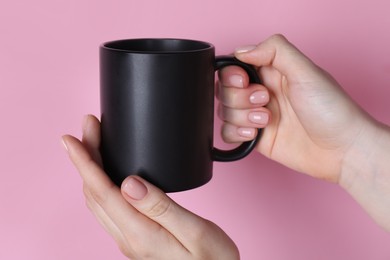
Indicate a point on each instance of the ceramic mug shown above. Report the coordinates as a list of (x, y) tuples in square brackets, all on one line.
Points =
[(157, 109)]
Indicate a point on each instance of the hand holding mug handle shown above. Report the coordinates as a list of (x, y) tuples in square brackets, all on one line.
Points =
[(246, 147)]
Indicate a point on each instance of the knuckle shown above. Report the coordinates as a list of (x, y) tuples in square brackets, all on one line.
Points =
[(100, 195), (221, 111), (86, 192), (88, 198), (232, 96), (160, 208), (227, 113), (278, 37), (124, 250), (202, 232), (89, 205), (228, 133)]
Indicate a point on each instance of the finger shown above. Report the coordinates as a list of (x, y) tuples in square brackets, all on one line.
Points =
[(99, 186), (253, 96), (91, 137), (106, 222), (234, 134), (278, 52), (141, 231), (233, 76), (257, 118), (274, 80), (156, 205)]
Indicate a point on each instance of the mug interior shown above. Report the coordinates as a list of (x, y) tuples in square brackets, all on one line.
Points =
[(157, 45)]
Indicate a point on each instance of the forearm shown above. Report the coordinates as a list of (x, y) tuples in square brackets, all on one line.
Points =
[(366, 172)]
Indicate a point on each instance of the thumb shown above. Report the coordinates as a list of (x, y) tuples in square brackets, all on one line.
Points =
[(277, 52), (156, 205)]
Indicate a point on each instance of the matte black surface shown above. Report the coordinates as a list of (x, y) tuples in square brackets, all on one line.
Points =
[(157, 107)]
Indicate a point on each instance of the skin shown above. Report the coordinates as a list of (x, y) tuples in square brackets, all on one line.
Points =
[(315, 127), (145, 223), (310, 125)]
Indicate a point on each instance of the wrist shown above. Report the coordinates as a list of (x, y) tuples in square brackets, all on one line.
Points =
[(365, 171)]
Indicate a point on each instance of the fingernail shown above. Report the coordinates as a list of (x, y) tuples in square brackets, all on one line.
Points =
[(246, 132), (64, 143), (260, 118), (244, 49), (134, 188), (236, 81), (259, 97)]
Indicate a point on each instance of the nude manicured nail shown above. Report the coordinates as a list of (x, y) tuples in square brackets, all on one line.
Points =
[(260, 118), (236, 81), (134, 188), (244, 49), (246, 132), (258, 97)]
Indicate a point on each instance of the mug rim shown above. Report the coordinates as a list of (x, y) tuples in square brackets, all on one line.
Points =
[(124, 45)]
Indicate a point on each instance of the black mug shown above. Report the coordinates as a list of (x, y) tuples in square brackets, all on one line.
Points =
[(157, 111)]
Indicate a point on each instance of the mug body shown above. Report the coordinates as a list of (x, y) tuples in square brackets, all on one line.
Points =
[(157, 108)]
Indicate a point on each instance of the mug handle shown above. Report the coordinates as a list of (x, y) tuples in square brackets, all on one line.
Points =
[(246, 147)]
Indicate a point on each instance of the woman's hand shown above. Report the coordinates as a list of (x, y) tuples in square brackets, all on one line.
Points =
[(315, 127), (145, 223), (310, 123)]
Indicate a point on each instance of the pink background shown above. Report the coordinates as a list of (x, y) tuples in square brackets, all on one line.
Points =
[(49, 80)]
